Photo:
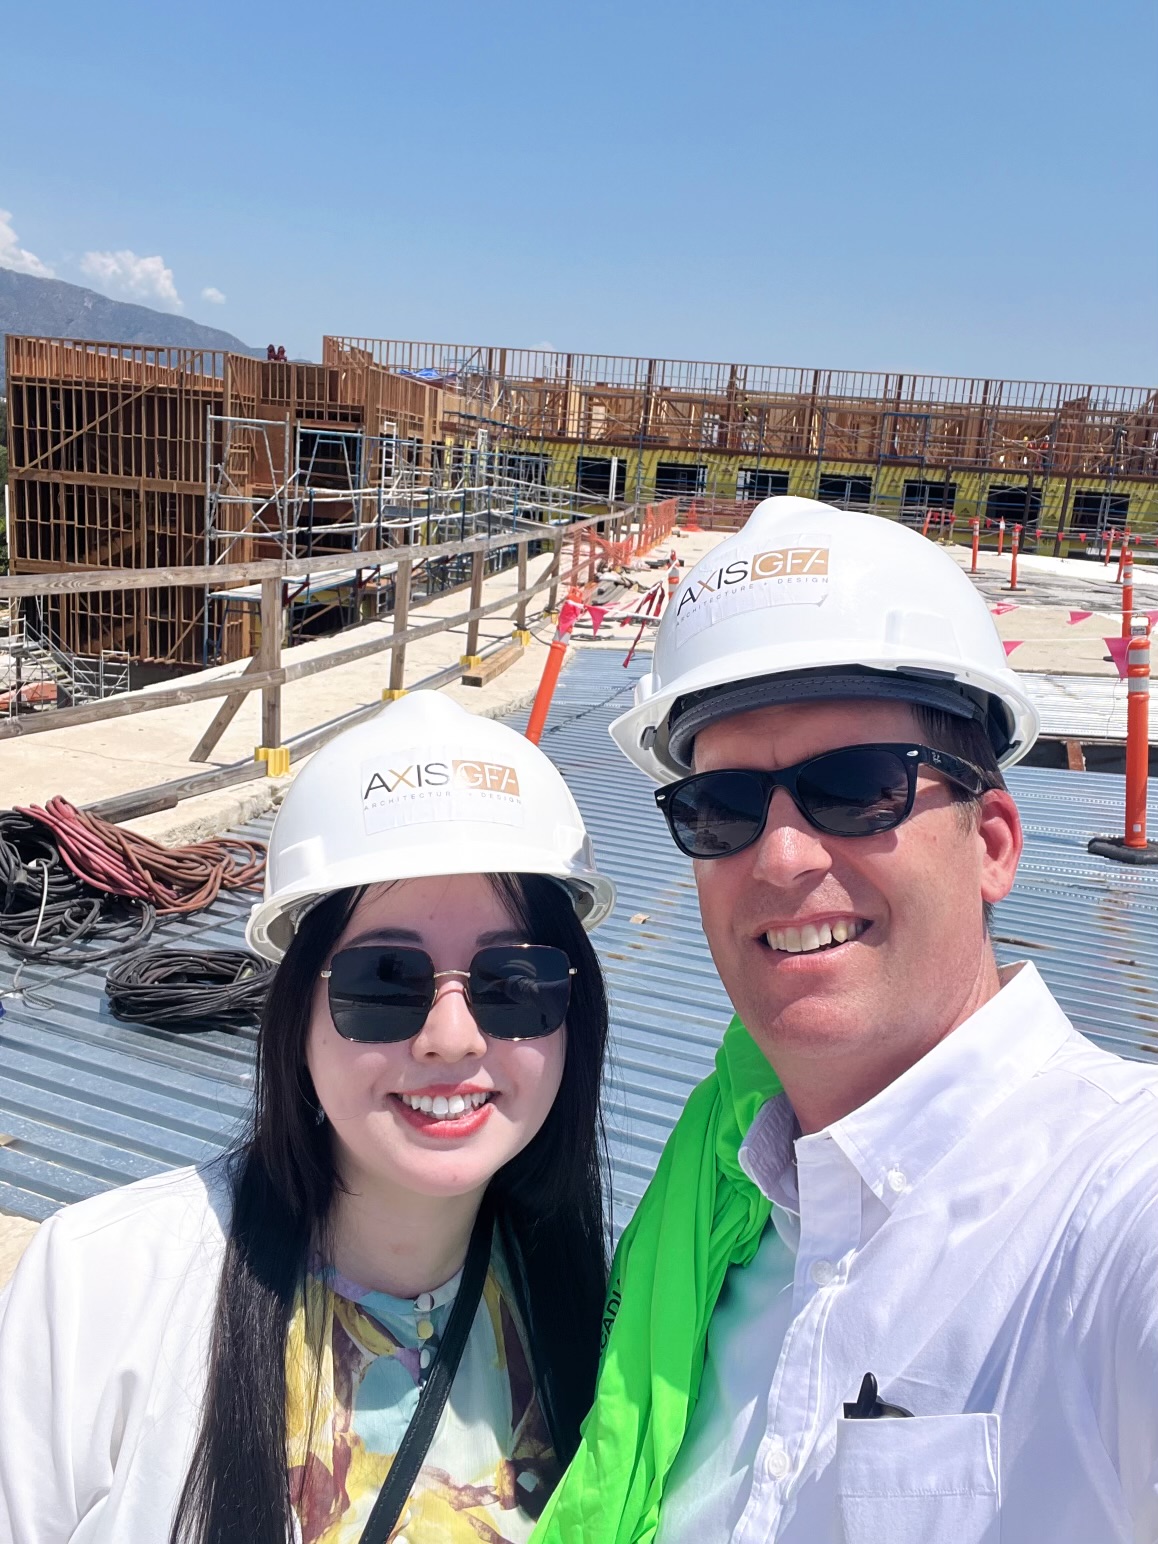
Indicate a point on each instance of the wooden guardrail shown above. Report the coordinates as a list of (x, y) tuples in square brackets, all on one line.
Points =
[(579, 549)]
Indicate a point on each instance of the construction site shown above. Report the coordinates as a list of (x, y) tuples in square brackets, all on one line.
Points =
[(218, 563), (159, 458)]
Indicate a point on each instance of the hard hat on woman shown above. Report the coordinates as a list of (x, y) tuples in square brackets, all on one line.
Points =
[(807, 602), (421, 789)]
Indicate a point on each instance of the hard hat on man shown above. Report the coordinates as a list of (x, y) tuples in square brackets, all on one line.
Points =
[(811, 603)]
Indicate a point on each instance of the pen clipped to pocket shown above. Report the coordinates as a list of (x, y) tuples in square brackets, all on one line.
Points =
[(869, 1407)]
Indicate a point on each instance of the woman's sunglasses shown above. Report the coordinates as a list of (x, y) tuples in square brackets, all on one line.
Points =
[(859, 790), (384, 993)]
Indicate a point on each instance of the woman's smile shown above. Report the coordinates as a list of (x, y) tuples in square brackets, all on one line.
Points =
[(445, 1111)]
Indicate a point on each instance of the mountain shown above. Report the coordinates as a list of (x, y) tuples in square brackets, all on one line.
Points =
[(49, 308)]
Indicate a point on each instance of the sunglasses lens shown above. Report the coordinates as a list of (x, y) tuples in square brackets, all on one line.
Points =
[(380, 994), (716, 813), (855, 792), (520, 992)]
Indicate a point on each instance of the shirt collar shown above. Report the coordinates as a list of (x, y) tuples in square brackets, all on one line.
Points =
[(898, 1136)]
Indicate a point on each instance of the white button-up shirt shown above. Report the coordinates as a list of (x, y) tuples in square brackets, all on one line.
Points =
[(983, 1237)]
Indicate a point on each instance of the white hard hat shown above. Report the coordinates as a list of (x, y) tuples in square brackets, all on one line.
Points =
[(422, 788), (808, 602)]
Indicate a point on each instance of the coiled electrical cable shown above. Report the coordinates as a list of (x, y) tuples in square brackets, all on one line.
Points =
[(186, 989), (112, 859), (47, 913)]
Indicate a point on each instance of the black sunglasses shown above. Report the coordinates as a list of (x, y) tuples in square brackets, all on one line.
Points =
[(383, 993), (859, 790)]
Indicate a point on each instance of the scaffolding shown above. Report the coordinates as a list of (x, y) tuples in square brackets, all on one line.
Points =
[(126, 456)]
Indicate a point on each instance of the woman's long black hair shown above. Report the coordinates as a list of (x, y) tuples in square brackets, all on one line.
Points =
[(549, 1208)]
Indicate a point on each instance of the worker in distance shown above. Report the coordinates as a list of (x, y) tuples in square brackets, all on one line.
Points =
[(896, 1277), (262, 1349)]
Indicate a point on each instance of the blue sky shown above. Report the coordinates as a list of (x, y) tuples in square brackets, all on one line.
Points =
[(957, 186)]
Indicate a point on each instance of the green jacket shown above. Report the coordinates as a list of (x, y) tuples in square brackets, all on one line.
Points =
[(700, 1215)]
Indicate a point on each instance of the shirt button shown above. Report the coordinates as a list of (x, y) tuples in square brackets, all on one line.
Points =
[(425, 1329), (777, 1462), (823, 1272), (897, 1180), (424, 1302)]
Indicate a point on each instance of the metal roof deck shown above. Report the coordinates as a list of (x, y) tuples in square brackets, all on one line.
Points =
[(90, 1103)]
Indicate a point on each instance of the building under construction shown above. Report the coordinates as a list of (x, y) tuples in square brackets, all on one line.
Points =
[(165, 457), (122, 455), (1060, 458)]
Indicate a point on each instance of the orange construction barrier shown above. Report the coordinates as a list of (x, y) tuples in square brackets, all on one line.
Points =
[(1127, 594), (1015, 548), (1137, 736), (1133, 847), (556, 654)]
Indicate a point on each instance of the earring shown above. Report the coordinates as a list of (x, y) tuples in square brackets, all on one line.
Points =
[(320, 1117)]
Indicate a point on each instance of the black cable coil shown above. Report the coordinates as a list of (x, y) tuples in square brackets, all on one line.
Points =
[(187, 989), (48, 913)]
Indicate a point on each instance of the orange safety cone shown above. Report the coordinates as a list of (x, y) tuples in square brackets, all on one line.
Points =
[(976, 545), (1001, 536), (673, 578), (1125, 547), (1127, 594)]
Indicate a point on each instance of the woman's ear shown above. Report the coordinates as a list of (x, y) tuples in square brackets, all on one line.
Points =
[(999, 832)]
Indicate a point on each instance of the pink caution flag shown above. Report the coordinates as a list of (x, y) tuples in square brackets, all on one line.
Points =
[(1079, 616), (1011, 644), (1117, 648), (596, 613), (569, 614), (1002, 607)]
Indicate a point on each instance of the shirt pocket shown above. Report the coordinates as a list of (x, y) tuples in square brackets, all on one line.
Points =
[(923, 1480)]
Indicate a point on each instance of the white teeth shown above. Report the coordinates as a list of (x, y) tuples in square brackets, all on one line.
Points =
[(810, 936), (443, 1108)]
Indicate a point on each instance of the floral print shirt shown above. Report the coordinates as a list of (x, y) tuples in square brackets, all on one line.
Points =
[(355, 1363)]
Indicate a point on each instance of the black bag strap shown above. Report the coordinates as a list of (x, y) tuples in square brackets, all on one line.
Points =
[(431, 1402)]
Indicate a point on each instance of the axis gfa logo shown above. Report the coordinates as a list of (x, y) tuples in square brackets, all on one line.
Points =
[(430, 776), (791, 568)]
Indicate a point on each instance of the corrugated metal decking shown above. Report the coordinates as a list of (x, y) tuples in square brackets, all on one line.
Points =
[(89, 1103)]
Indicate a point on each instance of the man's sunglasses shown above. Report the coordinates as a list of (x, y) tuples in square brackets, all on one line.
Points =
[(859, 790), (383, 993)]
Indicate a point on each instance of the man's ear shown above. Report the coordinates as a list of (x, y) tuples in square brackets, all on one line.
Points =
[(999, 832)]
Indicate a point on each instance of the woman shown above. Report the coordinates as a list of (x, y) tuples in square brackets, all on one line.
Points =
[(236, 1353)]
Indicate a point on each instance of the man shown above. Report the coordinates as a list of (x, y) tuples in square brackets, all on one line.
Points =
[(943, 1185)]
